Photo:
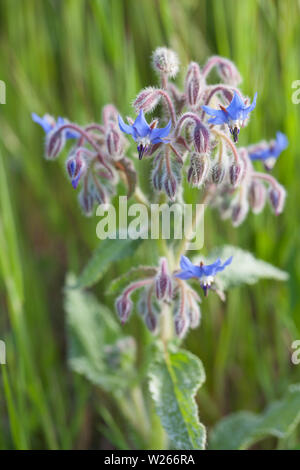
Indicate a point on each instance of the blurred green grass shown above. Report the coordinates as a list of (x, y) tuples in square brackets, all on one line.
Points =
[(70, 58)]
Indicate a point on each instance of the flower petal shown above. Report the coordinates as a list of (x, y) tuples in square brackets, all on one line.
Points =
[(125, 127), (141, 126), (157, 134)]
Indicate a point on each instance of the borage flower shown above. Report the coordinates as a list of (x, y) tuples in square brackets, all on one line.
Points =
[(269, 152), (48, 123), (234, 115), (143, 134), (205, 273)]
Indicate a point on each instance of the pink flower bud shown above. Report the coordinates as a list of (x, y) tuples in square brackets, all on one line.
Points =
[(86, 202), (114, 143), (277, 197), (228, 72), (239, 212), (198, 170), (123, 306), (201, 138), (151, 322), (181, 325), (218, 173), (193, 85), (165, 61), (147, 99), (170, 185), (163, 282), (55, 142), (194, 314), (257, 196), (236, 173)]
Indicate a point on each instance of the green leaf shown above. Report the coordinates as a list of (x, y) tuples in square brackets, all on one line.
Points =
[(107, 252), (174, 380), (134, 274), (243, 429), (97, 347), (244, 269)]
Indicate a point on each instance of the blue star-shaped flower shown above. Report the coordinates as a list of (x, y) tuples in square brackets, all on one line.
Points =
[(270, 152), (143, 134), (205, 273), (48, 123), (234, 115)]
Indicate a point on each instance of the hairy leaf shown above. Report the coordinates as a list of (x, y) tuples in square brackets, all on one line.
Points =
[(241, 430), (174, 380)]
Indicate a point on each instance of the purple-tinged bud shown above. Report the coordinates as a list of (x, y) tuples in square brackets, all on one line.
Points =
[(151, 322), (218, 173), (228, 72), (100, 193), (76, 166), (198, 170), (147, 99), (257, 196), (277, 197), (123, 306), (239, 212), (55, 142), (114, 143), (236, 174), (170, 185), (86, 202), (201, 138), (193, 85), (163, 282), (165, 61), (157, 172), (194, 314), (181, 325)]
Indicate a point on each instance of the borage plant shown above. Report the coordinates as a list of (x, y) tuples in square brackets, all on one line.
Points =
[(194, 142)]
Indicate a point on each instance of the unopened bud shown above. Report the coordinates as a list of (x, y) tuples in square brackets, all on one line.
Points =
[(147, 99), (114, 143), (76, 166), (201, 138), (170, 185), (193, 84), (163, 282), (194, 314), (198, 170), (151, 322), (228, 72), (165, 61), (239, 212), (181, 325), (236, 173), (277, 197), (123, 306), (217, 173), (257, 196), (86, 202), (55, 142)]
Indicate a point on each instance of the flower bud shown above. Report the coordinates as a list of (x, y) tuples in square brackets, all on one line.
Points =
[(201, 138), (151, 322), (181, 325), (194, 314), (257, 196), (236, 173), (147, 99), (123, 306), (277, 197), (114, 143), (170, 185), (76, 166), (55, 142), (193, 84), (239, 212), (198, 170), (86, 202), (228, 72), (217, 173), (100, 193), (165, 61), (163, 282)]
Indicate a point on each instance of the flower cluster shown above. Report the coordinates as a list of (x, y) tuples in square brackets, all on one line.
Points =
[(157, 286)]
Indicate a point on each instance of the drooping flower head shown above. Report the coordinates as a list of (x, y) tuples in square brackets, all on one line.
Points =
[(143, 134), (48, 123), (234, 115), (269, 152), (205, 273)]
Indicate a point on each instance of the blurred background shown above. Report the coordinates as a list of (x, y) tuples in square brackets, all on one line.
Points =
[(69, 58)]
